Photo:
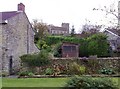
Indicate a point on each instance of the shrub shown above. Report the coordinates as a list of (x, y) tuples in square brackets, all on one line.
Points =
[(41, 44), (93, 66), (30, 74), (56, 69), (107, 71), (25, 73), (28, 59), (42, 59), (83, 49), (36, 60), (3, 74), (49, 71), (98, 45), (76, 69), (82, 69), (90, 83), (50, 40), (57, 50)]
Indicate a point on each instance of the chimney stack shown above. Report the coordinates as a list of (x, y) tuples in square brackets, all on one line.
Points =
[(21, 7)]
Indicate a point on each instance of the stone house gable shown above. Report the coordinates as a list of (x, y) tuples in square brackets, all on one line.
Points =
[(113, 38), (17, 40)]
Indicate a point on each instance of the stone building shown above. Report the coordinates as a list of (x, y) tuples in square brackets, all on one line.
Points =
[(55, 30), (16, 38), (113, 38)]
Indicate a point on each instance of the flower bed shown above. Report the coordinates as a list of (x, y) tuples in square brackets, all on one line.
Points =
[(81, 66)]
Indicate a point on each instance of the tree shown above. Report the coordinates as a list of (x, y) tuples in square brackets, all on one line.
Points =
[(41, 30), (88, 30), (98, 45), (109, 10), (72, 31)]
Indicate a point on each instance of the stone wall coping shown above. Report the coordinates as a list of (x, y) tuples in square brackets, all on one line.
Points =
[(85, 58)]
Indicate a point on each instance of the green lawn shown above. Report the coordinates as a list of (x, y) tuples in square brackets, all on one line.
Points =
[(39, 82), (34, 82)]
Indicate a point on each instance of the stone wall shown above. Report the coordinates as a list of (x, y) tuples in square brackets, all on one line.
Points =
[(0, 49), (18, 38), (93, 66)]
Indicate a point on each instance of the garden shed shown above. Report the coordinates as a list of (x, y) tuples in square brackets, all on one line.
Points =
[(70, 49)]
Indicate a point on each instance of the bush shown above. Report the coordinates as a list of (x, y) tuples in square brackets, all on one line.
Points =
[(57, 50), (82, 69), (90, 83), (83, 49), (107, 71), (49, 71), (76, 69), (98, 45), (3, 74), (28, 59), (51, 40), (93, 66), (42, 59), (25, 73), (36, 60), (43, 46)]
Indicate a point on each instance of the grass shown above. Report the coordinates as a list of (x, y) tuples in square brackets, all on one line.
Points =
[(39, 82), (34, 82)]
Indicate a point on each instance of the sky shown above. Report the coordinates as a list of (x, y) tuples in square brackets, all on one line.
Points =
[(75, 12)]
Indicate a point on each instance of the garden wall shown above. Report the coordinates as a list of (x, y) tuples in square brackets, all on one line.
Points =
[(93, 64)]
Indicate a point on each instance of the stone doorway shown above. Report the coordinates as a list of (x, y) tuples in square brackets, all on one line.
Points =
[(10, 65)]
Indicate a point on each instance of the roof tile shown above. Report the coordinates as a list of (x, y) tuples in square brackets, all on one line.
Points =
[(7, 15)]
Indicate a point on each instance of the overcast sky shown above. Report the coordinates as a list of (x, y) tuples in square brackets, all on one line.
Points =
[(75, 12)]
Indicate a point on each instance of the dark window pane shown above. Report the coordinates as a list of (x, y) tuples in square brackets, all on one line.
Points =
[(73, 48), (66, 48)]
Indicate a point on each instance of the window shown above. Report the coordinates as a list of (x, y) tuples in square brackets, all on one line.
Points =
[(66, 48), (73, 48), (69, 48)]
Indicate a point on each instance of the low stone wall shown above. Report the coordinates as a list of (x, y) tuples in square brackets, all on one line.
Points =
[(91, 57), (93, 65)]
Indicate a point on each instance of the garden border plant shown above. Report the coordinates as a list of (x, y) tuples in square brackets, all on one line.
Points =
[(64, 63), (36, 60), (78, 82)]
